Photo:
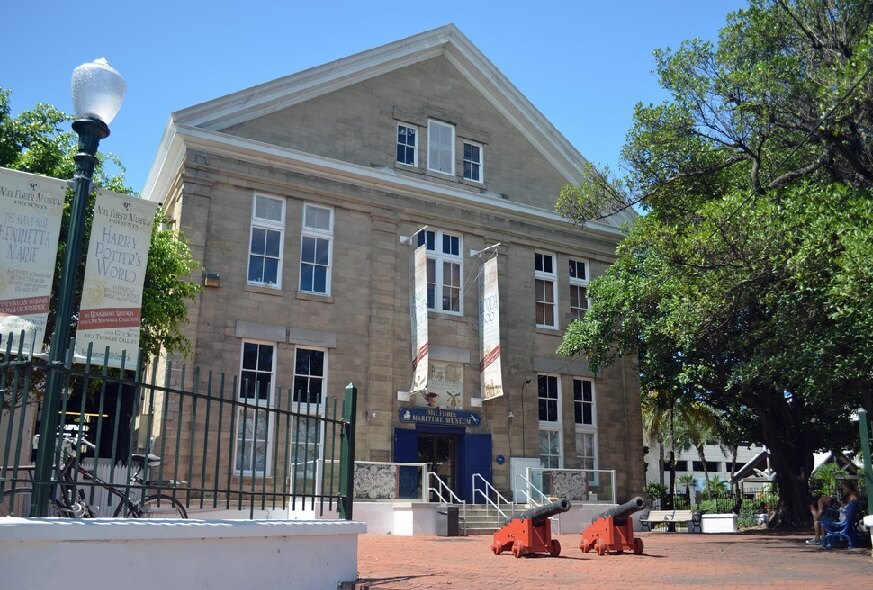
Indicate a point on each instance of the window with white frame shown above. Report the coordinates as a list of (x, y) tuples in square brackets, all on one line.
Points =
[(585, 418), (316, 242), (441, 147), (549, 410), (309, 383), (310, 372), (265, 244), (407, 144), (253, 420), (578, 288), (444, 265), (545, 279), (473, 161)]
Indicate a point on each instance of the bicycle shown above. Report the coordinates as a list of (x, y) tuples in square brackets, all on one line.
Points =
[(68, 500)]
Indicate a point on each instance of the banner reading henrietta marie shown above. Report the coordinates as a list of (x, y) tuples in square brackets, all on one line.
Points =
[(489, 318), (419, 323), (112, 292), (31, 208)]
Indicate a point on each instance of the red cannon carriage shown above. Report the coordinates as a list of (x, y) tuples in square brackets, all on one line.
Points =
[(613, 530), (530, 532)]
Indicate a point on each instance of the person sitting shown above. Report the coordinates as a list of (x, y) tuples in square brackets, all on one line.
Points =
[(826, 507), (843, 525)]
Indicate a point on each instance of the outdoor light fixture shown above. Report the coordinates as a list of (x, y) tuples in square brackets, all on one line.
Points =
[(211, 279), (97, 90)]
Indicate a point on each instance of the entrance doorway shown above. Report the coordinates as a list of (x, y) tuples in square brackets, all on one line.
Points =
[(439, 452)]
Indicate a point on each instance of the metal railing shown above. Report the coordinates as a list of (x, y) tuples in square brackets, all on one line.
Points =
[(232, 446), (527, 491), (442, 491), (590, 486), (486, 495)]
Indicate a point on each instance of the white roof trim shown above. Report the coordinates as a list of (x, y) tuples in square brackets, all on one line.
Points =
[(179, 137)]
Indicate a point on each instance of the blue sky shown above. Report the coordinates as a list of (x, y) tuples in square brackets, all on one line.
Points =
[(583, 64)]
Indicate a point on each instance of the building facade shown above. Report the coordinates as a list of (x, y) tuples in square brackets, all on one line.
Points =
[(308, 196)]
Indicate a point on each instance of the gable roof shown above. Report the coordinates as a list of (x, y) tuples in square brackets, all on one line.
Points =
[(206, 121)]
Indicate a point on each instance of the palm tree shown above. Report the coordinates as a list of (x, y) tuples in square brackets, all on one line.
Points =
[(689, 481)]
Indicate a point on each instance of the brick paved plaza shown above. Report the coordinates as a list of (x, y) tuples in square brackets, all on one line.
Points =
[(756, 559)]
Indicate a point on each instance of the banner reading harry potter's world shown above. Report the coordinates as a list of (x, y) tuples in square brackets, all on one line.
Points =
[(31, 207), (419, 323), (489, 319), (112, 294)]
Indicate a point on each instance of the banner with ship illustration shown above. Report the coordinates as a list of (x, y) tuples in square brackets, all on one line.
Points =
[(419, 323)]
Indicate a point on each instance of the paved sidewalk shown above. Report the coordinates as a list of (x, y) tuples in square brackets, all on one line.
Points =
[(758, 559)]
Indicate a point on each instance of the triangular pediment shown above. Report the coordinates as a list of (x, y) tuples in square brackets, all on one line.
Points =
[(446, 42)]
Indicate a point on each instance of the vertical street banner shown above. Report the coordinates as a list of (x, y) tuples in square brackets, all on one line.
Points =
[(489, 328), (419, 323), (31, 208), (112, 292)]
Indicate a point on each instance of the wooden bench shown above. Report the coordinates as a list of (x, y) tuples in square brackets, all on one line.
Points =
[(655, 518)]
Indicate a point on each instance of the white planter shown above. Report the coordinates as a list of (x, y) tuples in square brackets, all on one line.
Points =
[(718, 523), (868, 522)]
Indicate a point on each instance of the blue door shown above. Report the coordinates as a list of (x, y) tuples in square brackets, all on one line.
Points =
[(406, 451), (475, 457)]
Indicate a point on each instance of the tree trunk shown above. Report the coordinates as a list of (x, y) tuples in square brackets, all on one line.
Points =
[(790, 457)]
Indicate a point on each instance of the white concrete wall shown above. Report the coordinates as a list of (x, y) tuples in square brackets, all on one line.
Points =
[(397, 518), (192, 554)]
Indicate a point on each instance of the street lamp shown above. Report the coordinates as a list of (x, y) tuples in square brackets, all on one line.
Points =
[(97, 90)]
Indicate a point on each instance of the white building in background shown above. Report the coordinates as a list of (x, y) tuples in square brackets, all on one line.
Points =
[(688, 462)]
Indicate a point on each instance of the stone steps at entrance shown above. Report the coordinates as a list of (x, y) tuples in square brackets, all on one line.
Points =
[(481, 520)]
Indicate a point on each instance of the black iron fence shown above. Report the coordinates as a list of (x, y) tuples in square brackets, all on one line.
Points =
[(130, 442)]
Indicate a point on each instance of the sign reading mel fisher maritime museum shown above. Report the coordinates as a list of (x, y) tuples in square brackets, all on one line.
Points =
[(112, 293), (31, 207)]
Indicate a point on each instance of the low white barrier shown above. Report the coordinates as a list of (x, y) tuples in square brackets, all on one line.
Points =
[(136, 554)]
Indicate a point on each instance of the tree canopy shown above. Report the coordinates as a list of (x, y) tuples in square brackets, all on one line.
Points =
[(35, 141), (746, 285)]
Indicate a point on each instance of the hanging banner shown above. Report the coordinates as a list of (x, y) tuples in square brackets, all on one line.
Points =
[(489, 328), (112, 293), (31, 208), (419, 323)]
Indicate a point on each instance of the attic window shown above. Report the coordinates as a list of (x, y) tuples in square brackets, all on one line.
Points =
[(441, 147)]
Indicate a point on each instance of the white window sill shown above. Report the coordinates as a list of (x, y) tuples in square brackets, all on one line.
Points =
[(307, 296)]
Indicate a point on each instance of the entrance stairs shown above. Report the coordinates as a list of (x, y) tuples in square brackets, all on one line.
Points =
[(485, 520)]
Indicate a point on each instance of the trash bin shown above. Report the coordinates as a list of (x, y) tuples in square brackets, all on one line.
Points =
[(447, 521)]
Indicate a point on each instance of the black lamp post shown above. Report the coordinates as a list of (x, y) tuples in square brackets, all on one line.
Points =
[(97, 90)]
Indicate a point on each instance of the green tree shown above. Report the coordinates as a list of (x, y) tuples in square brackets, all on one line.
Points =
[(35, 141), (745, 286)]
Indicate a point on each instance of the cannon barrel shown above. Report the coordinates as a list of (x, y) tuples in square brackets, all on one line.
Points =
[(623, 510), (540, 513)]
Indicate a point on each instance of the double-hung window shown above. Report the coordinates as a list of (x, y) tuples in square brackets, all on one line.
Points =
[(441, 147), (444, 264), (253, 416), (585, 418), (578, 288), (549, 409), (545, 279), (407, 144), (316, 243), (265, 245), (310, 378), (473, 161)]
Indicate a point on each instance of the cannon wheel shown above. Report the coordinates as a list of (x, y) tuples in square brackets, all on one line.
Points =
[(638, 546), (554, 548), (496, 548), (585, 546), (601, 547), (518, 549)]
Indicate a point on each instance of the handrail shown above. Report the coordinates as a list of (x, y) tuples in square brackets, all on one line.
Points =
[(451, 494), (530, 486), (486, 495)]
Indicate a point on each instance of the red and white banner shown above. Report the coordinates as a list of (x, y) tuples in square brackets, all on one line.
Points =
[(31, 208), (419, 323), (114, 273), (489, 328)]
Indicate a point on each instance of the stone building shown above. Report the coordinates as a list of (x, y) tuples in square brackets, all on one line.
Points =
[(308, 195)]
